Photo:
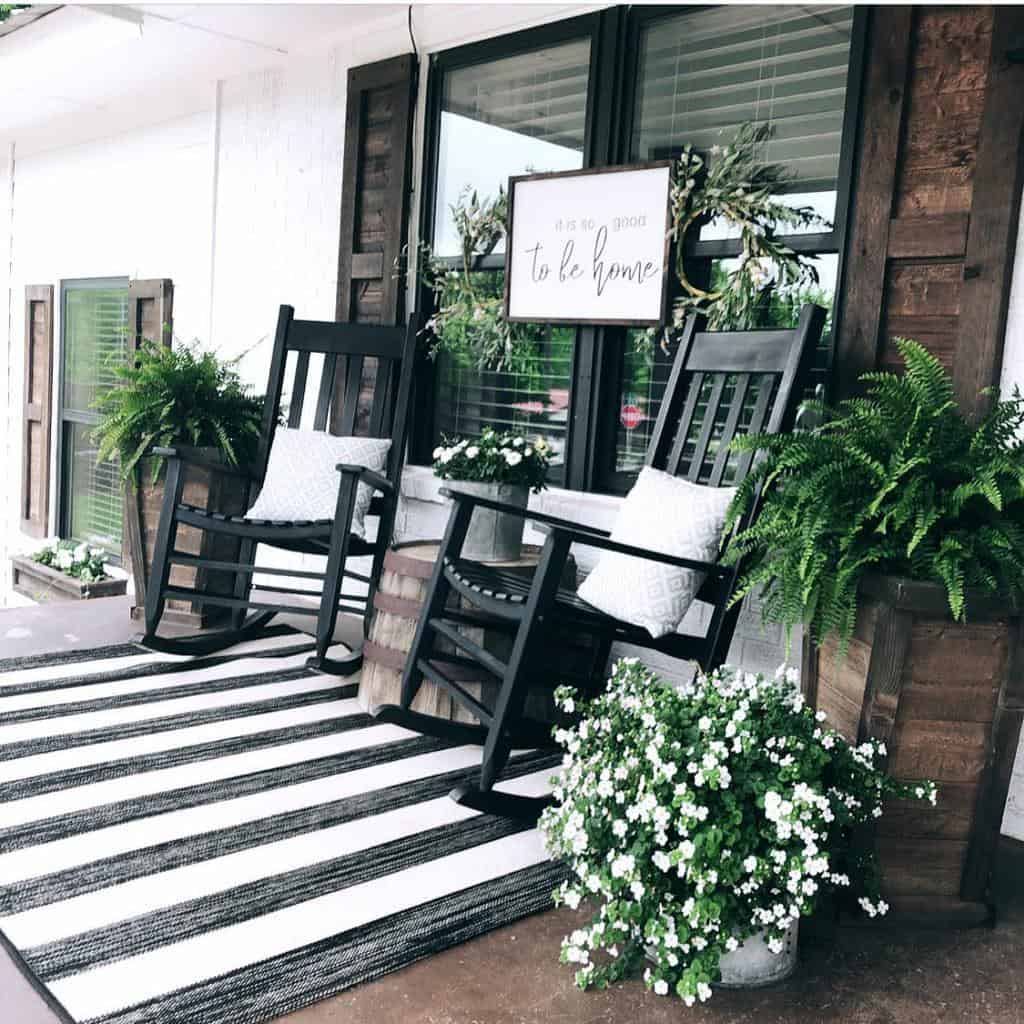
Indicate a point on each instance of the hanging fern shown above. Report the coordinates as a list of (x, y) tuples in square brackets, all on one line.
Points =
[(895, 482), (177, 396)]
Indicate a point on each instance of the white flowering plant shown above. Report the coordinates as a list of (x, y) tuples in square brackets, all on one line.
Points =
[(494, 458), (88, 564), (693, 818)]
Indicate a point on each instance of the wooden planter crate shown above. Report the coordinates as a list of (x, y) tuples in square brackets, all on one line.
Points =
[(947, 698), (41, 583), (205, 489)]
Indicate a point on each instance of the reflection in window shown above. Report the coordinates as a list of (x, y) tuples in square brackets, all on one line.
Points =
[(705, 72), (530, 396), (501, 118), (505, 117), (644, 376)]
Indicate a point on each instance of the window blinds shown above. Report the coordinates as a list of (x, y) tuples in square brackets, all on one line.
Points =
[(714, 69), (541, 95), (95, 343)]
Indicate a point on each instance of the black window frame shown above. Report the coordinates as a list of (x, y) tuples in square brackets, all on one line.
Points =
[(615, 34)]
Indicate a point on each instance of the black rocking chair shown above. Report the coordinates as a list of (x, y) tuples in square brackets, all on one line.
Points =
[(348, 349), (721, 385)]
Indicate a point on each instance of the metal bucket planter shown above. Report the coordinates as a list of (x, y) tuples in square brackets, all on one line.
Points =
[(753, 964), (494, 536)]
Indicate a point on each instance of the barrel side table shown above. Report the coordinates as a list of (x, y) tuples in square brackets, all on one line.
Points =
[(398, 603)]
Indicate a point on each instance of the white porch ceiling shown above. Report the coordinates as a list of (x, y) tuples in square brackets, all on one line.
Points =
[(87, 70)]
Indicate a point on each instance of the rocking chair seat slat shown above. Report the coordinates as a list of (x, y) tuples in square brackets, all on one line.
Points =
[(273, 531)]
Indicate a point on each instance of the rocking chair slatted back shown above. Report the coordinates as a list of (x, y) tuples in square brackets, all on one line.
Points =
[(376, 365), (723, 385)]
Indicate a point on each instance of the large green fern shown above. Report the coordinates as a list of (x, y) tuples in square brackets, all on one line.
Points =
[(896, 482), (177, 396)]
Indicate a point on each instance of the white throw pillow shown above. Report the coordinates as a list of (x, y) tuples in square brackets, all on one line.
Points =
[(302, 481), (666, 514)]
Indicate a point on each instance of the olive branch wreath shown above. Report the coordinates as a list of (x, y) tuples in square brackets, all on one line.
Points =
[(732, 183)]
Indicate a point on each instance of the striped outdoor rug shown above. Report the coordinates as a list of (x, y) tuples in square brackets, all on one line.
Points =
[(224, 840)]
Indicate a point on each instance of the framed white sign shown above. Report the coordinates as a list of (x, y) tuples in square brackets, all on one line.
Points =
[(589, 246)]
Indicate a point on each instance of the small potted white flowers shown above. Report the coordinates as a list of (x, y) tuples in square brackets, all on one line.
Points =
[(502, 467), (66, 570), (704, 822)]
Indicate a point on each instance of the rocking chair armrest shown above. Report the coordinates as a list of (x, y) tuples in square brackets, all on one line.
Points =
[(714, 569), (367, 476), (192, 459), (523, 513)]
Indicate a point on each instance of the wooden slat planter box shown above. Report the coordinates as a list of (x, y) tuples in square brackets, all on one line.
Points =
[(41, 583), (947, 698), (213, 492)]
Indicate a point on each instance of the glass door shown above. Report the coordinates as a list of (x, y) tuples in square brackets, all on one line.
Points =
[(94, 343)]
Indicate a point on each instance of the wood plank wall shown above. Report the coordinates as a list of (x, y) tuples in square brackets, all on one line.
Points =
[(940, 135)]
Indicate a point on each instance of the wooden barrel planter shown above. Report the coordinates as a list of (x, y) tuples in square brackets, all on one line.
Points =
[(947, 698), (398, 603)]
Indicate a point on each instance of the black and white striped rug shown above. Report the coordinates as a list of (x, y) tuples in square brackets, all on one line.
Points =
[(225, 840)]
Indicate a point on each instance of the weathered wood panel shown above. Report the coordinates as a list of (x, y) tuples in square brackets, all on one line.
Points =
[(888, 64), (37, 415), (995, 209), (945, 697), (935, 207), (375, 198)]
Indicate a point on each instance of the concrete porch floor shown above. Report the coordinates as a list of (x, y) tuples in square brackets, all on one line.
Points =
[(858, 975)]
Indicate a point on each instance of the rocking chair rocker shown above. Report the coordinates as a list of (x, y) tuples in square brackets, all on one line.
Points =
[(346, 347), (721, 385)]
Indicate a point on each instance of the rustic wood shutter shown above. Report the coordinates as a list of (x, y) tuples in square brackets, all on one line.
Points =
[(38, 410), (374, 198), (150, 317), (937, 194), (150, 310)]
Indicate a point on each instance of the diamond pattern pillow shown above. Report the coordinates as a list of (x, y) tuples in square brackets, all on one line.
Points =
[(666, 514), (302, 482)]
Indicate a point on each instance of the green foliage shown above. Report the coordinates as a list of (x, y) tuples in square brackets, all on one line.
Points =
[(733, 184), (6, 10), (692, 818), (88, 564), (895, 482), (177, 396), (495, 459)]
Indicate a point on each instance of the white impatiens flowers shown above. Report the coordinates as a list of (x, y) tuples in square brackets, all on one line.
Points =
[(695, 817), (82, 561), (494, 458)]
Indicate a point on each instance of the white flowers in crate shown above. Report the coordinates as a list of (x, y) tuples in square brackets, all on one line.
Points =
[(695, 817), (494, 458), (82, 561)]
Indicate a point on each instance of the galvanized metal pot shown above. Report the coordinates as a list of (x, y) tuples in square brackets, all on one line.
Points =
[(494, 536)]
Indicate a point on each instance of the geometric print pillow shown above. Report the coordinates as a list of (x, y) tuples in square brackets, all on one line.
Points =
[(666, 514), (302, 482)]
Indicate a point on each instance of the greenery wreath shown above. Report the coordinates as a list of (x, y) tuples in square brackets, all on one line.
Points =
[(734, 185), (731, 183)]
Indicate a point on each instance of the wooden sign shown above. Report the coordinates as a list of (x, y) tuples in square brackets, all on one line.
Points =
[(589, 247)]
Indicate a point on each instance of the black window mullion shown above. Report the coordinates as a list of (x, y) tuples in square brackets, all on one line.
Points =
[(590, 363)]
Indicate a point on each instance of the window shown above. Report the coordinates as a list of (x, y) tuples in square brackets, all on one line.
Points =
[(95, 341), (622, 86), (501, 117)]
